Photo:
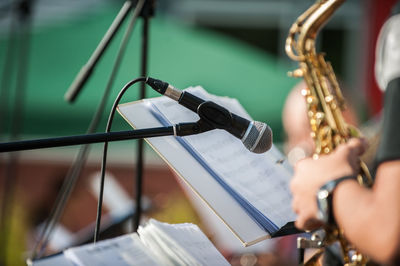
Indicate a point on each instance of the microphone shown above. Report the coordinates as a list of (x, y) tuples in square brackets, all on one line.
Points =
[(256, 136)]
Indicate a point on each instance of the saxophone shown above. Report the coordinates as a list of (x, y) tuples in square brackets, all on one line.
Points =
[(325, 104)]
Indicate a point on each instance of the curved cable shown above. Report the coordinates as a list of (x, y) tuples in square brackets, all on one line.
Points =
[(105, 149)]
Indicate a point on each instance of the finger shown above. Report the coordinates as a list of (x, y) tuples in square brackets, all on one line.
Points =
[(299, 223), (312, 224), (303, 222), (357, 146), (295, 204)]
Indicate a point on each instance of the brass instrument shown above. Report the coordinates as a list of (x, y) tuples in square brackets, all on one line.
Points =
[(325, 104)]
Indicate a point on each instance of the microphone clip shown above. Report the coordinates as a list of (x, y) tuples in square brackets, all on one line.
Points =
[(212, 116), (193, 128), (215, 115)]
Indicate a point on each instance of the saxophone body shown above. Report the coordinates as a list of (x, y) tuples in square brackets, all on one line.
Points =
[(325, 104)]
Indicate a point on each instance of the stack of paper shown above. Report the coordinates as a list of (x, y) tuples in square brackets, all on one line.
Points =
[(155, 243)]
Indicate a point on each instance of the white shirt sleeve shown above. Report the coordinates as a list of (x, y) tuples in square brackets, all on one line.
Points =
[(387, 62)]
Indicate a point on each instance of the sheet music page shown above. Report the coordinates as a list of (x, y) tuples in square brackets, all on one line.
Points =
[(186, 243), (59, 260), (127, 250), (262, 179)]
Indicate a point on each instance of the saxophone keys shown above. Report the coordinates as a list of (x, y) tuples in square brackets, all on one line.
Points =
[(297, 73), (329, 98), (320, 116), (311, 100), (337, 140), (305, 92)]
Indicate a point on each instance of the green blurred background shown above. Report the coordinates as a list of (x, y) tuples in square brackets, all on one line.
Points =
[(240, 61)]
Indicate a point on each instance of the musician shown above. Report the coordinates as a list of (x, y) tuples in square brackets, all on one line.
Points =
[(370, 218)]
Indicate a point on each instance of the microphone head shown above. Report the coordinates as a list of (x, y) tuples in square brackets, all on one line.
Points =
[(258, 137)]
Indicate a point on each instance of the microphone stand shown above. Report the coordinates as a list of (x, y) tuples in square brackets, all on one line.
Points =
[(87, 70), (146, 8), (147, 12), (182, 129), (80, 160)]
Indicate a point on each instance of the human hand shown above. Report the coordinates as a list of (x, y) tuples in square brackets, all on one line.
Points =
[(310, 175)]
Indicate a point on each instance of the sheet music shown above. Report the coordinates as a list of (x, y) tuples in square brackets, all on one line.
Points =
[(127, 250), (158, 244), (185, 243), (59, 260), (262, 179)]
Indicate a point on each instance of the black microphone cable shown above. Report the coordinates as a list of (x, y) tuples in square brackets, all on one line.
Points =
[(105, 149)]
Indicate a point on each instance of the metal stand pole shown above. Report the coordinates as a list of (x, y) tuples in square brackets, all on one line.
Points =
[(147, 12)]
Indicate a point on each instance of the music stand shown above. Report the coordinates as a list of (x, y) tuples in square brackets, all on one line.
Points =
[(145, 9)]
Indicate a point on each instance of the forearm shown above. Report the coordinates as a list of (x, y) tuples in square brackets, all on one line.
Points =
[(371, 218), (351, 205)]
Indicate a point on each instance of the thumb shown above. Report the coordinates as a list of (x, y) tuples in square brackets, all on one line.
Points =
[(357, 146)]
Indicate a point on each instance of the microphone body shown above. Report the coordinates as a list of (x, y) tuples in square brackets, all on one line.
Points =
[(256, 136)]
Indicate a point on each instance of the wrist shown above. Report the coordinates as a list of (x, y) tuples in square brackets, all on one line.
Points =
[(325, 198)]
